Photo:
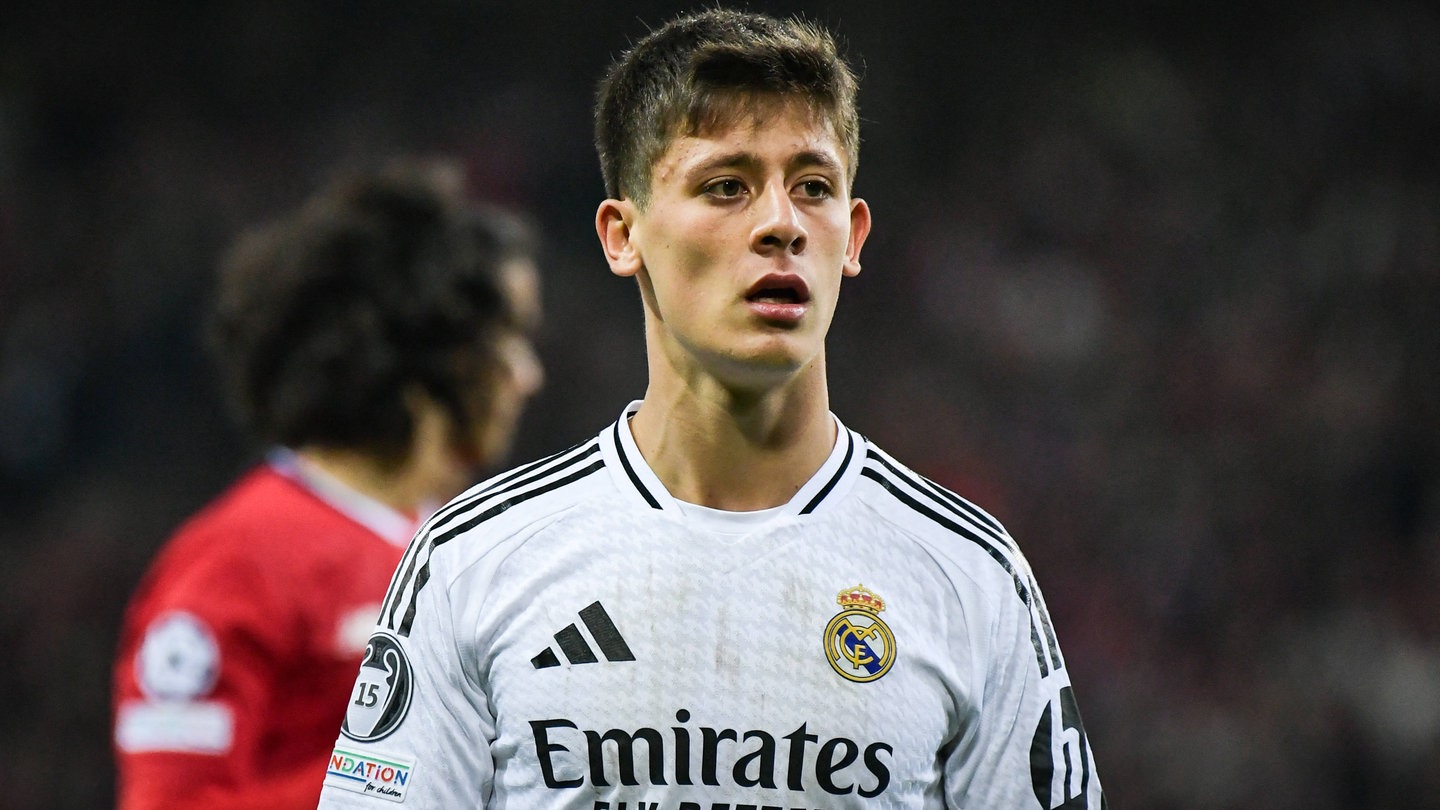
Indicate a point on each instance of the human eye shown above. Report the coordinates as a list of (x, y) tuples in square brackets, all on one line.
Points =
[(724, 188), (816, 189)]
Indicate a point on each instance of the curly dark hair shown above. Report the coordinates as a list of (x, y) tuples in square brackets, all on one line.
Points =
[(383, 282)]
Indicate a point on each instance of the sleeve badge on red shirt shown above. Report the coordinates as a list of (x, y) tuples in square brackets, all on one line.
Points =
[(179, 659)]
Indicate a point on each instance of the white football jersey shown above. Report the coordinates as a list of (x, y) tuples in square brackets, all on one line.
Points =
[(567, 635)]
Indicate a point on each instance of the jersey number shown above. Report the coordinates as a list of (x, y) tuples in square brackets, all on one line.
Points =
[(367, 695), (1059, 749)]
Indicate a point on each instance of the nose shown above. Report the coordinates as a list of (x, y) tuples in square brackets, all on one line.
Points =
[(778, 227)]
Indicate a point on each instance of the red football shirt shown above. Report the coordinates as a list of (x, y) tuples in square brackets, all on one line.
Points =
[(240, 646)]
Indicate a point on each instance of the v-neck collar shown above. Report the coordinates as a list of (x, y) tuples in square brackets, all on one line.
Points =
[(633, 474)]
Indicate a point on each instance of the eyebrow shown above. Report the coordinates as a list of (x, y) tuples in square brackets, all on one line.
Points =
[(749, 161)]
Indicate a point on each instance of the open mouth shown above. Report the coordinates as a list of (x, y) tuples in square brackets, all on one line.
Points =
[(779, 289)]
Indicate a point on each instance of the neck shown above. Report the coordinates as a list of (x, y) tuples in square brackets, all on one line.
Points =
[(737, 451), (395, 486), (430, 473)]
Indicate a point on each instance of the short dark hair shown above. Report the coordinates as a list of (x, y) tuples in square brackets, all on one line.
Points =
[(384, 281), (685, 74)]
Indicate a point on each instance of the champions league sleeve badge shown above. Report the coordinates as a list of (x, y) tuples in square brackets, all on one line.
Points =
[(858, 644), (179, 658), (383, 690)]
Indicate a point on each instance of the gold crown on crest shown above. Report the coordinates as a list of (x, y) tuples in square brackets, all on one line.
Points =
[(861, 597)]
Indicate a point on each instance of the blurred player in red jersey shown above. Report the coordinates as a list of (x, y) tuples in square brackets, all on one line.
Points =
[(379, 340)]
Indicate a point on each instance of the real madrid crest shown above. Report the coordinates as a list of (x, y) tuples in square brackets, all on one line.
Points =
[(858, 644)]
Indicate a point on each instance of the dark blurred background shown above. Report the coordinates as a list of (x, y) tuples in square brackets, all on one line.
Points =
[(1156, 283)]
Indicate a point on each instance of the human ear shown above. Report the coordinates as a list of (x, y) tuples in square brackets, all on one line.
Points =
[(859, 229), (612, 225)]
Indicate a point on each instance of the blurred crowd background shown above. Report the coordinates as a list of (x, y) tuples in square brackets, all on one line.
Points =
[(1157, 283)]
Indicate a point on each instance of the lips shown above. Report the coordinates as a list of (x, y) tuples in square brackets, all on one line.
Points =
[(779, 288), (779, 298)]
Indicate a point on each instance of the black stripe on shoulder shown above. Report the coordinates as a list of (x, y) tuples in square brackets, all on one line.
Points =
[(952, 503), (518, 477), (1022, 590), (1047, 625), (984, 522), (510, 496), (969, 508), (915, 504), (630, 471), (406, 568), (506, 501), (834, 479)]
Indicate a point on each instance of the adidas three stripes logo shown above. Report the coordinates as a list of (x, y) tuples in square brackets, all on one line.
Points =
[(577, 650)]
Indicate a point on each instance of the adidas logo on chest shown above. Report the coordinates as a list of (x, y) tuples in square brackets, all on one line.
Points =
[(600, 638)]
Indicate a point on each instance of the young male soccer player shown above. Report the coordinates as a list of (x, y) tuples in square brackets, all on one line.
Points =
[(378, 337), (726, 599)]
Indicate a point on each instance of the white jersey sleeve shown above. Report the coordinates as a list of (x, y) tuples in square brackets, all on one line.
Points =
[(1022, 743), (1027, 744), (415, 713), (419, 727)]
